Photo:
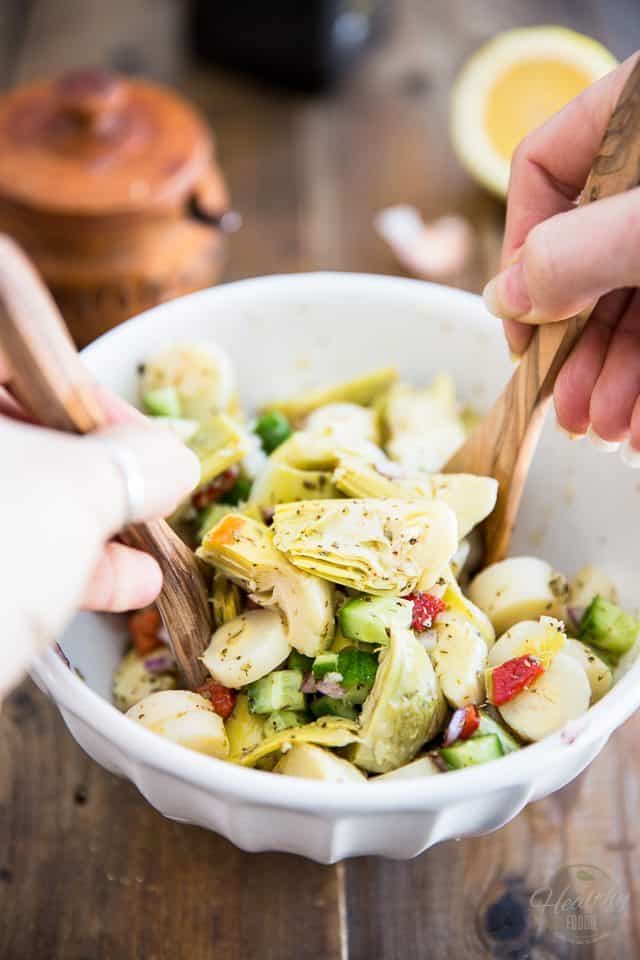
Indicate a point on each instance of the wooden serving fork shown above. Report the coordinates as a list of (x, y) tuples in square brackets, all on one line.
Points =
[(50, 381), (503, 444)]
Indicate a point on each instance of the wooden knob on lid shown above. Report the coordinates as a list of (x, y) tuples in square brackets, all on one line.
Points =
[(91, 97)]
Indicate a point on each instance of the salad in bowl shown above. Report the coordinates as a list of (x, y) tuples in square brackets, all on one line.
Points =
[(354, 638)]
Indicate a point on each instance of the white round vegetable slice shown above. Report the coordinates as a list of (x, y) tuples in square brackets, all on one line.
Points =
[(315, 763), (542, 638), (459, 659), (597, 671), (247, 648), (201, 373), (184, 717), (519, 588), (561, 694)]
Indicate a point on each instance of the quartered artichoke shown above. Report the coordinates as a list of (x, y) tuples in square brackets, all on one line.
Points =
[(375, 546), (423, 424), (344, 422), (404, 709), (325, 732), (471, 497), (362, 390), (219, 444), (227, 601), (281, 483), (244, 551)]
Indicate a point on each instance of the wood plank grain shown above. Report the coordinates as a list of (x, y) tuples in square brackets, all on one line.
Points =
[(89, 870)]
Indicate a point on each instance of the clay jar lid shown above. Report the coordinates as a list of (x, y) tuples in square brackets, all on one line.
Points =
[(94, 143)]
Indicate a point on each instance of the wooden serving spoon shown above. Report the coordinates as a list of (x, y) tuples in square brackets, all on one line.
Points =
[(503, 444), (50, 381)]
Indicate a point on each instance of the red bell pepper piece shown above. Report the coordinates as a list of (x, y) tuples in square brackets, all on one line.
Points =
[(512, 677), (426, 608)]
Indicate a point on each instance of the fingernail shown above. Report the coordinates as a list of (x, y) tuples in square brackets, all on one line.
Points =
[(606, 446), (506, 296), (515, 357), (629, 456), (567, 433)]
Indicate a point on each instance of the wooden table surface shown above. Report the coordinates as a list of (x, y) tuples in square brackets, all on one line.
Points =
[(89, 871)]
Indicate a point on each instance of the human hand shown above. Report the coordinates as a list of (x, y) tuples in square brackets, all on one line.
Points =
[(558, 259), (62, 498)]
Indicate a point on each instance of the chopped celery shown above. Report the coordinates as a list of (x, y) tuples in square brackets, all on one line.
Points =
[(325, 663)]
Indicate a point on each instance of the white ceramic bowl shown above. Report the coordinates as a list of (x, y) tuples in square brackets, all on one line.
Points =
[(284, 333)]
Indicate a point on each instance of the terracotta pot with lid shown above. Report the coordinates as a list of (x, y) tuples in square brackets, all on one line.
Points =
[(111, 186)]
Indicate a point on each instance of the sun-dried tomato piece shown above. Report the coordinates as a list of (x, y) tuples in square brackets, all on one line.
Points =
[(144, 627), (215, 489), (222, 699)]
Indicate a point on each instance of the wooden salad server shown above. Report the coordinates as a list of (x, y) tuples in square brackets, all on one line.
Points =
[(503, 443), (50, 381)]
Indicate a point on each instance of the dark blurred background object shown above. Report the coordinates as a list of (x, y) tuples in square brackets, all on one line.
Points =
[(302, 44)]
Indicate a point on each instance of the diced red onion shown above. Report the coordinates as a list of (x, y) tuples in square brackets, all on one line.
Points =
[(161, 663), (308, 684), (576, 614), (330, 688), (455, 727)]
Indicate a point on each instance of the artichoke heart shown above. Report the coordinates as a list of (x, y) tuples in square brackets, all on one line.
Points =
[(243, 550), (405, 708), (325, 732), (346, 422), (219, 444), (374, 546), (471, 497), (227, 601), (281, 483), (362, 390)]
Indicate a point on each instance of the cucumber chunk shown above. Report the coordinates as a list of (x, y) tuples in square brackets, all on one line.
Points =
[(606, 626), (279, 690), (369, 618), (328, 707), (358, 670), (298, 661), (163, 402), (469, 753), (489, 725), (282, 720), (325, 663)]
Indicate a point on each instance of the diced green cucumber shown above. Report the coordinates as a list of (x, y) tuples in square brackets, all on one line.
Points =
[(164, 402), (273, 428), (369, 619), (279, 690), (239, 492), (469, 753), (282, 720), (607, 627), (325, 663), (298, 661), (328, 707), (489, 725), (358, 670)]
